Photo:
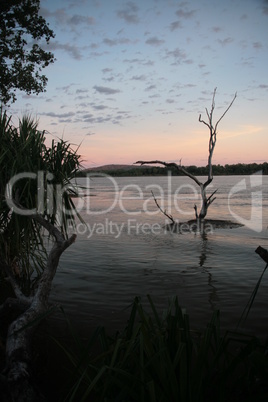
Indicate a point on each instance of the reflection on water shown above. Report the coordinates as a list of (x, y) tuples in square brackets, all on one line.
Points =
[(212, 294), (100, 275)]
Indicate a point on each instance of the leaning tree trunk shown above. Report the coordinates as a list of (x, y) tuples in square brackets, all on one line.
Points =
[(16, 380)]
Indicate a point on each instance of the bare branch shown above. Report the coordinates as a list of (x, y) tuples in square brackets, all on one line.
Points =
[(163, 212), (211, 195), (213, 100), (222, 116), (170, 164), (213, 130), (196, 214), (208, 114), (210, 199), (204, 122), (207, 182)]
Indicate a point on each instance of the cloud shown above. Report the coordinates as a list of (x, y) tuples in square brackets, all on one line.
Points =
[(150, 88), (80, 20), (257, 45), (139, 77), (225, 41), (65, 88), (154, 41), (265, 10), (175, 25), (72, 50), (114, 42), (102, 119), (141, 62), (107, 70), (98, 120), (63, 117), (185, 14), (65, 20), (177, 54), (106, 90), (99, 107), (87, 116), (246, 129), (110, 42), (59, 115), (113, 116), (81, 91), (109, 79), (216, 29), (129, 13)]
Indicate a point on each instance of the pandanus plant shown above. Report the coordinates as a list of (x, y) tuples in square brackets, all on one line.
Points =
[(35, 204), (26, 164)]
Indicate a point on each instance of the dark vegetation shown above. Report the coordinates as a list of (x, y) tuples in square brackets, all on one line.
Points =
[(28, 262), (160, 357), (22, 59)]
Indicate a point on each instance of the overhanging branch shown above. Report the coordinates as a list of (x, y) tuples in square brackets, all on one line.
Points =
[(179, 168)]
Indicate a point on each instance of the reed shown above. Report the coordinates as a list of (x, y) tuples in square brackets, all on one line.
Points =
[(159, 358), (250, 302)]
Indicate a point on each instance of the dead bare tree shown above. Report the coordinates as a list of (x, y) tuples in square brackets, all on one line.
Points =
[(206, 200)]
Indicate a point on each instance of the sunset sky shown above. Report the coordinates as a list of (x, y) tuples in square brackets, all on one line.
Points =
[(131, 78)]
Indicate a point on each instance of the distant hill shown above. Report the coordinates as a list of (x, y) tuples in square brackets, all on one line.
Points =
[(111, 167)]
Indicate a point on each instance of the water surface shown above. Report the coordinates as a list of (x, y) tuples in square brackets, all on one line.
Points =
[(125, 251)]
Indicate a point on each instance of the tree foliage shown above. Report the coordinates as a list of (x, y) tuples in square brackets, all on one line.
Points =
[(21, 57)]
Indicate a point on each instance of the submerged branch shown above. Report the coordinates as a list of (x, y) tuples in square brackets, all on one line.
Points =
[(210, 199), (263, 253), (163, 212)]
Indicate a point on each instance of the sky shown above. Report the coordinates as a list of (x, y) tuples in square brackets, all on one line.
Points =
[(131, 78)]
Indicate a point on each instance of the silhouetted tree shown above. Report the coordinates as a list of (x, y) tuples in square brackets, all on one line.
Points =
[(206, 200), (21, 57)]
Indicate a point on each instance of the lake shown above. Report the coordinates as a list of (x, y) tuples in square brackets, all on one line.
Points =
[(123, 250)]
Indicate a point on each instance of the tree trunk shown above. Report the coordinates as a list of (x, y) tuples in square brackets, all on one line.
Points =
[(17, 381)]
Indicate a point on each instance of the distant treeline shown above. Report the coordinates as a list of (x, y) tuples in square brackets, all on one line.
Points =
[(218, 170)]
